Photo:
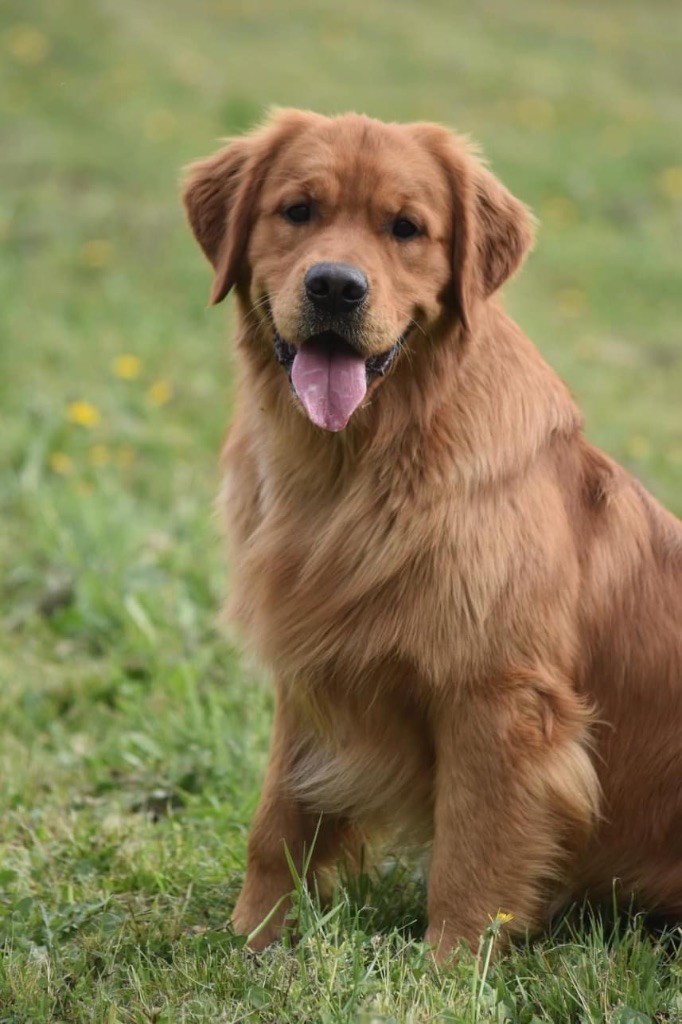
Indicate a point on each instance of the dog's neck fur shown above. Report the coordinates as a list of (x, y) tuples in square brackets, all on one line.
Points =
[(405, 467), (478, 373)]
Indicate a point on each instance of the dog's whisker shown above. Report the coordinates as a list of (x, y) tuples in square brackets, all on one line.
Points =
[(253, 315)]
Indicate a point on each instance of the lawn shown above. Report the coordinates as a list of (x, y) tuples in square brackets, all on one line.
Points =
[(132, 737)]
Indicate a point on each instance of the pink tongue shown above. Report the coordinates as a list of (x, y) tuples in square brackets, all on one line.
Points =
[(330, 383)]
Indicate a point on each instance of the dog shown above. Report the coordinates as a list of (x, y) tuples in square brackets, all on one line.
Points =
[(473, 617)]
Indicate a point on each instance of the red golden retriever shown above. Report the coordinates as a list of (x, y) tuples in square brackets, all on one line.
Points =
[(473, 617)]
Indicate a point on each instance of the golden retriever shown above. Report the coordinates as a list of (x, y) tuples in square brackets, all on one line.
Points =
[(473, 617)]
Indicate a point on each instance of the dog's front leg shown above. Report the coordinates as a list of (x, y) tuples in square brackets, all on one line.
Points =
[(516, 792), (282, 824)]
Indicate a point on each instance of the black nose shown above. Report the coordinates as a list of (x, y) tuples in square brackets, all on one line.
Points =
[(336, 287)]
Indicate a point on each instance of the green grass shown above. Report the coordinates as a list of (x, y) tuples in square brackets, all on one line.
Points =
[(132, 739)]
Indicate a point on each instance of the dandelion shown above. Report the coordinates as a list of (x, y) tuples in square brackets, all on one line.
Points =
[(84, 414), (670, 182), (608, 34), (638, 447), (586, 348), (633, 109), (675, 454), (98, 455), (160, 392), (160, 125), (572, 301), (97, 253), (27, 44), (485, 951), (122, 78), (125, 456), (615, 140), (559, 211), (535, 112), (126, 366), (61, 463)]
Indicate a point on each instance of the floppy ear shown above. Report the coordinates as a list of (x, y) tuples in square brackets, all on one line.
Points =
[(220, 194), (217, 220), (492, 231), (503, 229)]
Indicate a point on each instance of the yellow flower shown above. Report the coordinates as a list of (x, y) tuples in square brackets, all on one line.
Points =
[(123, 78), (633, 109), (97, 253), (559, 211), (535, 112), (61, 463), (607, 34), (586, 347), (502, 917), (98, 455), (572, 301), (160, 392), (127, 367), (160, 125), (27, 44), (615, 140), (670, 182), (85, 414), (125, 456), (638, 447)]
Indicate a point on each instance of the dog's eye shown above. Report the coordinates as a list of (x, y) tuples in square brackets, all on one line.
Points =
[(299, 213), (403, 229)]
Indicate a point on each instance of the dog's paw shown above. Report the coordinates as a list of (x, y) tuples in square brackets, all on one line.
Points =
[(259, 924)]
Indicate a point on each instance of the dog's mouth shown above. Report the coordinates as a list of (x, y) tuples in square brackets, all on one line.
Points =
[(330, 377)]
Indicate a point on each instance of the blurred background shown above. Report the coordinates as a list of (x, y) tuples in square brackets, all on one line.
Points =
[(117, 695)]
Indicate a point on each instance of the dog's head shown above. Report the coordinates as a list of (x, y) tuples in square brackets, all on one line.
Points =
[(346, 237)]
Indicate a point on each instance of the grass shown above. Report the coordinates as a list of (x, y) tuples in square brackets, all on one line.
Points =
[(132, 739)]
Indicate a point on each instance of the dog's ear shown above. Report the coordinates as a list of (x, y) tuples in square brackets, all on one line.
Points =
[(503, 229), (210, 197), (220, 194), (492, 230)]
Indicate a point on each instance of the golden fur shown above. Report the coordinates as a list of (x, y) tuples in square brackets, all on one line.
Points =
[(474, 617)]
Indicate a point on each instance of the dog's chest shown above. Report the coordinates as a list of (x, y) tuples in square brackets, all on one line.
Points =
[(367, 575), (366, 753)]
